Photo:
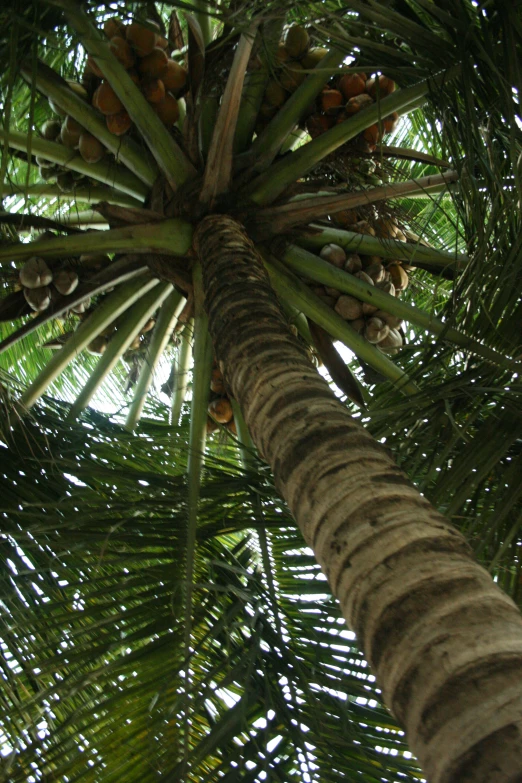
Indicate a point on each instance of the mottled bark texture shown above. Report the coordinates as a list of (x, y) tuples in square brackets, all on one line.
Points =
[(443, 641)]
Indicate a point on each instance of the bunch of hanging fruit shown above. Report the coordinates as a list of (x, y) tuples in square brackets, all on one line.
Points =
[(142, 50), (341, 98)]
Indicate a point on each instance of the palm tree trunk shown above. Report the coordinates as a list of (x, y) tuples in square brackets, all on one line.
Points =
[(444, 643)]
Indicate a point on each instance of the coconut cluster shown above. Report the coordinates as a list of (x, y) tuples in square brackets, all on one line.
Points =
[(143, 52), (69, 133), (377, 326), (219, 408), (41, 282), (341, 98)]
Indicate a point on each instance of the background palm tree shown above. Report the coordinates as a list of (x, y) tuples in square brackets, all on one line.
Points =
[(473, 474)]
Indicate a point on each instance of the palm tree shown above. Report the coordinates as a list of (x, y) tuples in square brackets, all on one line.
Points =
[(207, 221)]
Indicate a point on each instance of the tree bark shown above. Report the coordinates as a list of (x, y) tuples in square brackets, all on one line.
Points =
[(444, 643)]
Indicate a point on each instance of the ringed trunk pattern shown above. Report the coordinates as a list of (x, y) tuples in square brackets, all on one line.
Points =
[(443, 641)]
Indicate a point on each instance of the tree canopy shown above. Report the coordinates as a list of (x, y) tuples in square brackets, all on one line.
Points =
[(101, 678)]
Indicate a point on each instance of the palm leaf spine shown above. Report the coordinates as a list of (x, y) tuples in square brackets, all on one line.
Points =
[(171, 237), (181, 375), (316, 235), (105, 314), (130, 326), (167, 318), (321, 271), (109, 172)]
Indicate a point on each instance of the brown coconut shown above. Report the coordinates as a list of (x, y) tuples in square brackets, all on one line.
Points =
[(154, 64), (91, 150), (153, 90), (142, 39), (297, 41), (167, 110), (106, 100), (122, 50), (221, 410), (119, 123), (352, 84), (174, 77)]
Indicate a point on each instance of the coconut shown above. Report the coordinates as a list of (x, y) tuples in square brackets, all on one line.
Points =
[(153, 90), (231, 426), (143, 39), (364, 278), (357, 103), (386, 228), (376, 330), (334, 254), (92, 67), (114, 27), (78, 89), (212, 425), (391, 343), (65, 181), (71, 132), (154, 65), (98, 345), (275, 94), (167, 110), (358, 324), (217, 383), (352, 84), (330, 99), (106, 100), (81, 307), (399, 276), (313, 57), (346, 217), (353, 264), (380, 87), (371, 135), (47, 173), (122, 51), (297, 41), (393, 321), (56, 108), (51, 130), (174, 77), (390, 122), (118, 124), (35, 273), (65, 281), (44, 163), (292, 76), (221, 410), (333, 292), (38, 299), (387, 286), (363, 227), (317, 124), (90, 148), (376, 272), (369, 309), (282, 55), (349, 307)]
